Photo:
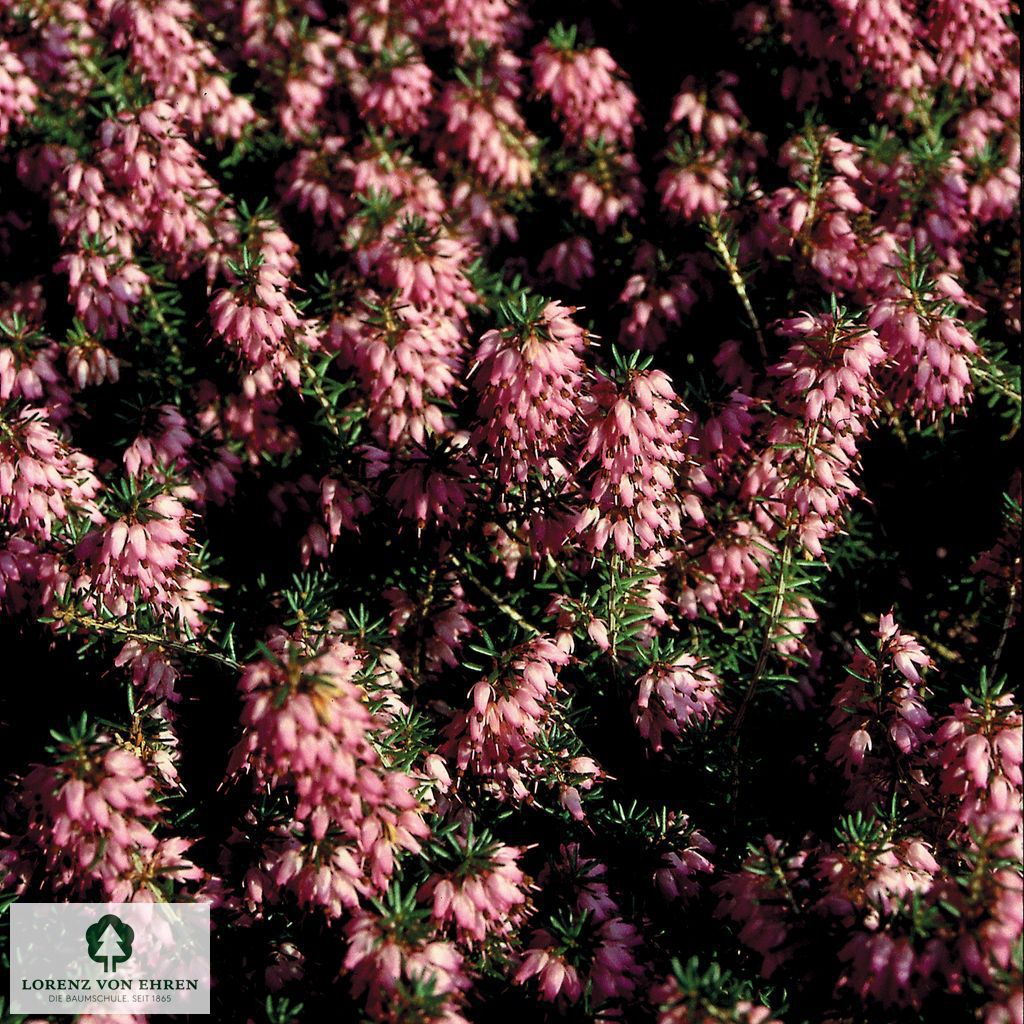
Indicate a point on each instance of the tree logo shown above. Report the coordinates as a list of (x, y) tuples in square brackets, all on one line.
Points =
[(109, 941)]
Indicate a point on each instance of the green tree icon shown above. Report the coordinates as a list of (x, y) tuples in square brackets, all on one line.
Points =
[(109, 941)]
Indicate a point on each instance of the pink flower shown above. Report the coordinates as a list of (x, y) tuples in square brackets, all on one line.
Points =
[(174, 203), (481, 21), (673, 696), (890, 969), (828, 393), (308, 733), (980, 756), (762, 898), (407, 361), (630, 465), (396, 90), (868, 878), (41, 480), (484, 127), (930, 354), (485, 895), (28, 372), (529, 375), (396, 173), (311, 183), (570, 262), (887, 41), (557, 980), (165, 450), (973, 40), (498, 738), (178, 67), (17, 90), (257, 319), (91, 363), (392, 950), (879, 711), (658, 299), (608, 189), (425, 264), (430, 487), (589, 943), (694, 191), (153, 670), (142, 557), (679, 1005), (723, 569), (308, 87), (678, 875), (615, 972), (30, 577), (341, 506), (589, 93), (97, 227), (90, 817), (441, 616)]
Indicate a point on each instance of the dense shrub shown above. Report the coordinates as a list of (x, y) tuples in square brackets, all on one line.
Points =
[(515, 503)]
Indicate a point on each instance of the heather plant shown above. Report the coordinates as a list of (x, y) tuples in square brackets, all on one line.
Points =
[(517, 505)]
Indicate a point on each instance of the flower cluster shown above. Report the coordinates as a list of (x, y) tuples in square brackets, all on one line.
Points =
[(672, 696), (500, 736), (91, 816), (307, 731)]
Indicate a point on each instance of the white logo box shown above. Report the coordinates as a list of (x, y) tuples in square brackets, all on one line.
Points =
[(111, 958)]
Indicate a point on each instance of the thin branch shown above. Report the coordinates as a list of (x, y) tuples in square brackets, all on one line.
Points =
[(721, 247), (494, 598), (316, 386), (785, 561), (774, 613), (71, 617), (1004, 633), (997, 381)]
